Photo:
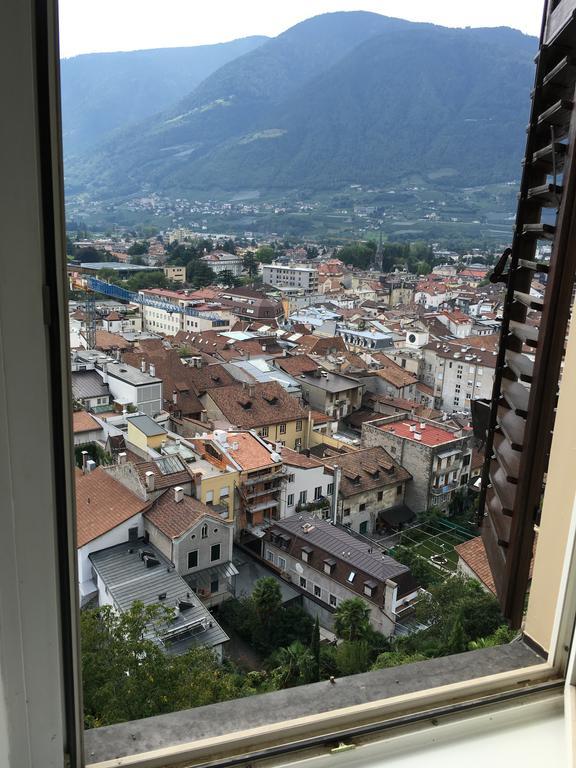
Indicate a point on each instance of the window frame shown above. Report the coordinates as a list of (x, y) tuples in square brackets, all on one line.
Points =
[(41, 255)]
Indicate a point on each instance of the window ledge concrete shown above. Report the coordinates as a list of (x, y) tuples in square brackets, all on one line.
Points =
[(227, 717)]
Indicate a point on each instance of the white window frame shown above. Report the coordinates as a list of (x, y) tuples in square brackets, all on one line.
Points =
[(39, 727)]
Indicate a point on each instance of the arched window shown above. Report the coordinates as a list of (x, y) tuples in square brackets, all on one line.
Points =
[(205, 531)]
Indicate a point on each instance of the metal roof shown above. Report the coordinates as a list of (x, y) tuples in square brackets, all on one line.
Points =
[(127, 578), (313, 531), (149, 427), (88, 384)]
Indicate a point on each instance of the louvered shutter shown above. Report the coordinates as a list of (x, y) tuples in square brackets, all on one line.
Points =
[(534, 329)]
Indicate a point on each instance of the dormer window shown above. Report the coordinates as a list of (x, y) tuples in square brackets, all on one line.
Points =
[(329, 566), (307, 554), (369, 588)]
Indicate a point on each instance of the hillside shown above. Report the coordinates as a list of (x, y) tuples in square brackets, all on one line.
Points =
[(102, 92), (339, 99)]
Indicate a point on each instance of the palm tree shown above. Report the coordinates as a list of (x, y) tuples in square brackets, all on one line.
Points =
[(266, 598), (293, 665), (352, 619)]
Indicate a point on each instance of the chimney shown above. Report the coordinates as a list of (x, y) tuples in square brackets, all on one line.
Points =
[(122, 458), (143, 365), (251, 390), (334, 510), (178, 493), (175, 397), (105, 373), (90, 466), (84, 460), (152, 370), (150, 480)]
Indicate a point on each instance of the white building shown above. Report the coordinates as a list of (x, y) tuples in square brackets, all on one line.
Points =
[(308, 485), (458, 373), (222, 261), (168, 312), (282, 276)]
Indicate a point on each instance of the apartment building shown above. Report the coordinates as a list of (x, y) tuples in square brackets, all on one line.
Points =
[(281, 276), (369, 483), (176, 274), (331, 393), (222, 261), (266, 408), (197, 541), (126, 384), (437, 457), (458, 373), (244, 470), (331, 565), (168, 312), (308, 485)]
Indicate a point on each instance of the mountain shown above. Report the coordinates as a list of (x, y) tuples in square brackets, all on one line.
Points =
[(341, 98), (102, 92)]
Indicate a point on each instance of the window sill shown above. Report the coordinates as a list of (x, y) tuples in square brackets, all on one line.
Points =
[(315, 709)]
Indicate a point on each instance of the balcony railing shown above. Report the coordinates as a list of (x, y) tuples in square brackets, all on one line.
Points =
[(446, 488)]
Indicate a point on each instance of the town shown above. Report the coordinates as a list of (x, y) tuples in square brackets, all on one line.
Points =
[(275, 450)]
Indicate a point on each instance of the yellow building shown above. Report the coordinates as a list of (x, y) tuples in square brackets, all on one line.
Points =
[(246, 468), (265, 408), (145, 433)]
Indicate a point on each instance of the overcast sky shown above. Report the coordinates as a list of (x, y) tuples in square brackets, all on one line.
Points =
[(88, 26)]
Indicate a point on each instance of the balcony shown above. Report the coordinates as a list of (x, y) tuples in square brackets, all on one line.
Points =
[(441, 490)]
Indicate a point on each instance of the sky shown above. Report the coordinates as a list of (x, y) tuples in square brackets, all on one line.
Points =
[(89, 26)]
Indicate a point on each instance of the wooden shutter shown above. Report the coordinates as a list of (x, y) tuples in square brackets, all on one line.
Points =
[(533, 333)]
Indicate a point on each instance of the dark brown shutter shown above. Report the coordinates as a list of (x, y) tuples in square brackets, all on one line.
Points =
[(534, 330)]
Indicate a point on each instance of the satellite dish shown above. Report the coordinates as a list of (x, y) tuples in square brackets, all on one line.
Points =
[(299, 568)]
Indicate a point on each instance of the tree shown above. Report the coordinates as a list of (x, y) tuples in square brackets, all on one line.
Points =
[(229, 246), (352, 619), (138, 248), (358, 254), (199, 274), (127, 676), (353, 657), (315, 649), (250, 264), (265, 254), (396, 659), (267, 598), (293, 665), (227, 278)]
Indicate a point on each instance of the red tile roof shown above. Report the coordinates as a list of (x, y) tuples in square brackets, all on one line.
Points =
[(367, 470), (269, 403), (296, 365), (83, 422), (295, 459), (431, 434), (102, 503), (473, 554), (173, 518)]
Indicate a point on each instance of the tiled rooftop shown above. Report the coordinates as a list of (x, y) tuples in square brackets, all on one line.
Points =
[(102, 503), (431, 435)]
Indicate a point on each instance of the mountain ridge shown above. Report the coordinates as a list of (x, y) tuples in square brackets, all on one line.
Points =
[(376, 102)]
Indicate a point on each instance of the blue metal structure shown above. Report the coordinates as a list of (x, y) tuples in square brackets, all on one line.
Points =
[(116, 292)]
